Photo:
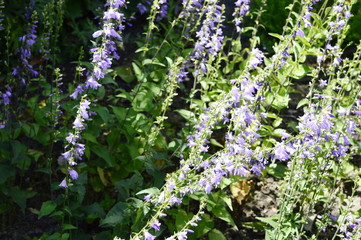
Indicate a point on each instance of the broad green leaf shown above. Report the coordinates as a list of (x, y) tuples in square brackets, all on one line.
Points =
[(94, 211), (138, 72), (181, 219), (90, 137), (276, 170), (119, 112), (47, 208), (6, 172), (115, 216), (103, 153), (19, 196), (103, 113), (125, 72), (300, 71), (215, 234), (222, 213), (203, 227)]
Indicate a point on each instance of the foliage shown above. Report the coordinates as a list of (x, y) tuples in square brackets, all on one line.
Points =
[(113, 133)]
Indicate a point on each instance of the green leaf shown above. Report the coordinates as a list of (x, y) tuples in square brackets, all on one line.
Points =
[(138, 72), (115, 215), (215, 234), (152, 191), (269, 221), (90, 137), (277, 122), (103, 153), (300, 71), (65, 236), (280, 37), (281, 102), (6, 172), (119, 112), (215, 143), (103, 113), (302, 102), (181, 219), (103, 235), (260, 226), (19, 196), (203, 227), (222, 213), (47, 208), (66, 226), (186, 114), (142, 49), (152, 62), (125, 72), (94, 211), (276, 170), (143, 101)]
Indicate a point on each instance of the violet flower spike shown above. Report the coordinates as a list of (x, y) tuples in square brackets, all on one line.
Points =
[(27, 41), (1, 14), (241, 9)]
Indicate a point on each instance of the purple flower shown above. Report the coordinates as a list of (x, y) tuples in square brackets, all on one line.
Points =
[(84, 106), (208, 188), (148, 197), (25, 69), (1, 14), (6, 97), (174, 200), (299, 33), (242, 7), (78, 123), (73, 174), (163, 10), (209, 37), (72, 138), (79, 150), (112, 14), (78, 91), (182, 235), (142, 8), (156, 225), (350, 128), (323, 83), (357, 113), (148, 236), (63, 184), (117, 3), (97, 33), (256, 58), (281, 152), (92, 83)]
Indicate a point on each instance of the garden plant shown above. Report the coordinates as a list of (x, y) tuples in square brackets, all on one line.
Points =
[(180, 119)]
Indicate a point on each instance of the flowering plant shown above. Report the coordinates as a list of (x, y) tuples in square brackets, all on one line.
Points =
[(176, 134)]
